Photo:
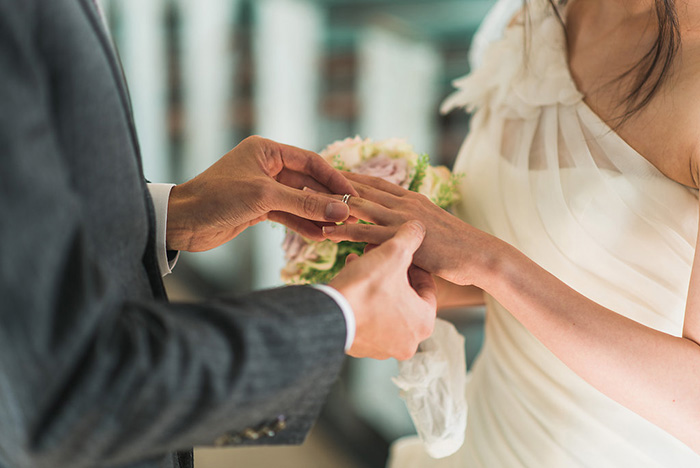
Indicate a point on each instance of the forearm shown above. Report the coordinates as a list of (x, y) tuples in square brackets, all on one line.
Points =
[(180, 231), (154, 378), (450, 295), (652, 373)]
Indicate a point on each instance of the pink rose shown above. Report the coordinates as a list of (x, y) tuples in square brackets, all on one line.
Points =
[(390, 169)]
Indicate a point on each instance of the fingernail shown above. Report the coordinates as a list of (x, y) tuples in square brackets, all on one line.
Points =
[(336, 211), (419, 225), (329, 229), (309, 189)]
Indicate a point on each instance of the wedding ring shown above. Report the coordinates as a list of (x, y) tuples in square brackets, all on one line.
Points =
[(346, 198)]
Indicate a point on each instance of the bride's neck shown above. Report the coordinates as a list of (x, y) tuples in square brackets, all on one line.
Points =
[(608, 16), (611, 12)]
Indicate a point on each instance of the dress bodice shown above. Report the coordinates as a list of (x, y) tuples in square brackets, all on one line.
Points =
[(544, 173)]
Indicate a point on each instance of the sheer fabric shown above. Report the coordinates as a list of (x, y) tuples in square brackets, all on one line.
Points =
[(544, 173)]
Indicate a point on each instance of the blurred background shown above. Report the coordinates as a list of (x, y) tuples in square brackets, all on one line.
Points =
[(205, 74)]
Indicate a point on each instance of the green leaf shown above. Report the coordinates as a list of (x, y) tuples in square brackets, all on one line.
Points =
[(345, 248), (421, 169), (448, 193), (338, 163)]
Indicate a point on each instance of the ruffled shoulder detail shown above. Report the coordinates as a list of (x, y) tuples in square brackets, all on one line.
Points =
[(517, 79)]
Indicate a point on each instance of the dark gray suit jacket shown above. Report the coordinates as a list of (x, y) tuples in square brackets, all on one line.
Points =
[(96, 368)]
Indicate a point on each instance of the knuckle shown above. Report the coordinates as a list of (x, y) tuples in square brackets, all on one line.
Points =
[(406, 353), (310, 164), (425, 329), (415, 204), (357, 203), (418, 202), (253, 140), (420, 198), (309, 206), (341, 230), (364, 228), (256, 143), (357, 232)]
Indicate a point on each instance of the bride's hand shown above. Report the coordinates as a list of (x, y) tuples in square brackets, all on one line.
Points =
[(452, 249)]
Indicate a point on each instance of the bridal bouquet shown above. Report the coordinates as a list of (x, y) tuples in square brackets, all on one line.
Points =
[(392, 160)]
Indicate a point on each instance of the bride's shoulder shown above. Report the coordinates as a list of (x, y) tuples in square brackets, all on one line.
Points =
[(687, 96), (667, 130), (689, 52)]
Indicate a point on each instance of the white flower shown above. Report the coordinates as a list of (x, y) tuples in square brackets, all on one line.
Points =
[(396, 148), (348, 151), (435, 179), (303, 254), (353, 152), (392, 160)]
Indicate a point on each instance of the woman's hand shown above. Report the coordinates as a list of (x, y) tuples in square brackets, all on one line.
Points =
[(452, 249)]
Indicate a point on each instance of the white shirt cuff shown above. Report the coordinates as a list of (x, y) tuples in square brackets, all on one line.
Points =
[(160, 194), (347, 312)]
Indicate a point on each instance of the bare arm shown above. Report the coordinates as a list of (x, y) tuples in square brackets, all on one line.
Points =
[(652, 373), (451, 295)]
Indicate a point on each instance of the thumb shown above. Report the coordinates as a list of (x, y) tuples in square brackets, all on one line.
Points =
[(309, 205), (351, 258), (405, 242)]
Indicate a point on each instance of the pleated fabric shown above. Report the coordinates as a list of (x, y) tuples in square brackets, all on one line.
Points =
[(544, 173)]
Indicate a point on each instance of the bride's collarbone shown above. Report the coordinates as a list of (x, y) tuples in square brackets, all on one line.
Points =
[(666, 131)]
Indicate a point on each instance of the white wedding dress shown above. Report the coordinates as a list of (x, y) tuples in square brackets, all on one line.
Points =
[(544, 173)]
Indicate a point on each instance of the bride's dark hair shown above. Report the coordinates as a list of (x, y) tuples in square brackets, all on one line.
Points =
[(650, 72)]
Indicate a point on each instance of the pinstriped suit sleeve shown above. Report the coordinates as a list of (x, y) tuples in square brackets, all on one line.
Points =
[(91, 376)]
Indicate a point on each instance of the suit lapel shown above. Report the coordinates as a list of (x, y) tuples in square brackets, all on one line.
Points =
[(93, 15), (149, 257)]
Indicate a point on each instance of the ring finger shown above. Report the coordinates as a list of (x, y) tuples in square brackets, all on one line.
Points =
[(370, 211)]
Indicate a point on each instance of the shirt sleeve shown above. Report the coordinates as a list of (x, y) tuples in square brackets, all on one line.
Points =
[(345, 306), (160, 194)]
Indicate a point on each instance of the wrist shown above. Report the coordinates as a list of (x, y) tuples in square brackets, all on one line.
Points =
[(179, 229), (497, 260)]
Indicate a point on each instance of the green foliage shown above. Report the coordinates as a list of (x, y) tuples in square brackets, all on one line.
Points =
[(338, 163), (447, 193), (345, 248), (421, 170), (445, 196)]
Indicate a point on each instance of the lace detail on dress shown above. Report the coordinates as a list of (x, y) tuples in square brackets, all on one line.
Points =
[(516, 79)]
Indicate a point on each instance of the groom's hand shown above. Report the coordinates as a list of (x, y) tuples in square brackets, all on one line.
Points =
[(394, 302), (257, 180)]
